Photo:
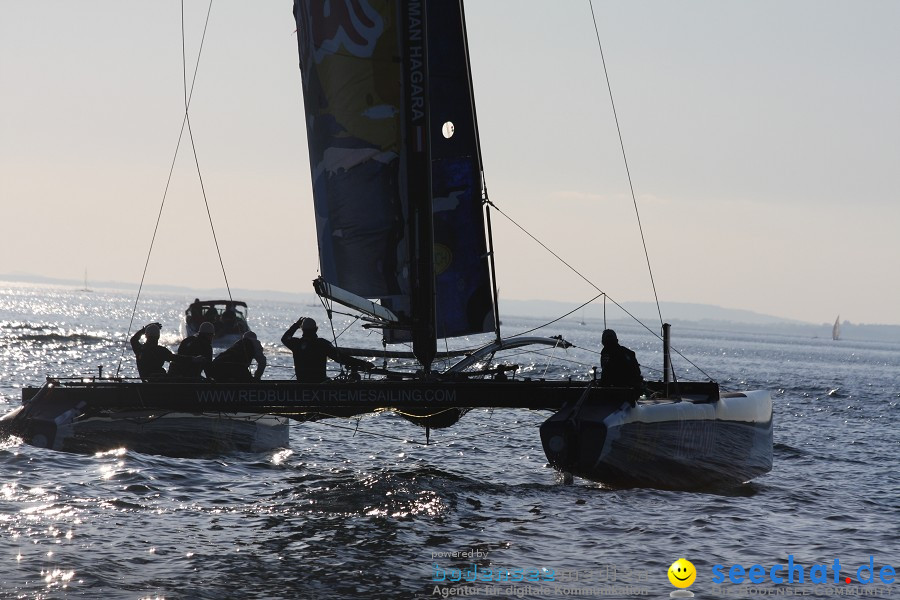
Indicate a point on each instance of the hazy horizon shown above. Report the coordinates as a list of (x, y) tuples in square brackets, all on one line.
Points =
[(698, 311)]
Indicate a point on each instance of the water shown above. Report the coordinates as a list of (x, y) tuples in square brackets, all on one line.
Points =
[(346, 514)]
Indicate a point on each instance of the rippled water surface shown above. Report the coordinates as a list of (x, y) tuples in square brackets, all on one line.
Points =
[(365, 509)]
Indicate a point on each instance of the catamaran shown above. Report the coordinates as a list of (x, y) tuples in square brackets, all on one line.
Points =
[(404, 238)]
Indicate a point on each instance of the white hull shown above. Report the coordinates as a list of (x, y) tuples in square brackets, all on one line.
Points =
[(669, 443), (161, 432)]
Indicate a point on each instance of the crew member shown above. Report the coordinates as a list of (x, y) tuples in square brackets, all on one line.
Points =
[(228, 322), (310, 353), (150, 355), (196, 312), (194, 354), (211, 314), (234, 363), (619, 365)]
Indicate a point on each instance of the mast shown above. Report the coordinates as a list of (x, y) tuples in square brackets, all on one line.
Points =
[(667, 356), (418, 162), (494, 290)]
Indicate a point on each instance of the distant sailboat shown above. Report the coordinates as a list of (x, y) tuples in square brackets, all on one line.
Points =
[(85, 288), (836, 330)]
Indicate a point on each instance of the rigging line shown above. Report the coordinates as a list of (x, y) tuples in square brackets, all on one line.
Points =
[(197, 160), (544, 354), (625, 159), (446, 359), (335, 336), (574, 270), (367, 432), (338, 312), (651, 369), (693, 364), (183, 61), (550, 360), (590, 351), (344, 330), (484, 433), (206, 203), (577, 347), (171, 171), (577, 308), (421, 416), (409, 441), (593, 285), (545, 247)]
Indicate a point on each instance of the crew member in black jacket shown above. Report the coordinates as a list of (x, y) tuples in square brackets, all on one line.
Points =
[(619, 365), (194, 354), (234, 363), (310, 353), (150, 355)]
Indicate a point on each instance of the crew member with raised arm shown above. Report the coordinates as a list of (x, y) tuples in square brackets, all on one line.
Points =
[(311, 353), (150, 355)]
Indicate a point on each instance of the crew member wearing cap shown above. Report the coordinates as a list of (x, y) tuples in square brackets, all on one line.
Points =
[(619, 365), (194, 354), (310, 353), (150, 355), (234, 363)]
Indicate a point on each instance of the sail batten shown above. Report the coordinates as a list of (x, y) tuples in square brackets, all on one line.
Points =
[(351, 300)]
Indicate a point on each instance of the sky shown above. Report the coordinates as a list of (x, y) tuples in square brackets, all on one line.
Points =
[(762, 140)]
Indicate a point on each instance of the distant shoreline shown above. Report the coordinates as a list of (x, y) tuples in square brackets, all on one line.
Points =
[(694, 315)]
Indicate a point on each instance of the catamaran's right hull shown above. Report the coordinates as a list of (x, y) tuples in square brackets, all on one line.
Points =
[(680, 444)]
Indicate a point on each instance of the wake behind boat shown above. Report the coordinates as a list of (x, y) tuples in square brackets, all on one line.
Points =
[(404, 238)]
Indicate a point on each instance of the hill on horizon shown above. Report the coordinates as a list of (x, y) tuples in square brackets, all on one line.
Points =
[(538, 308), (703, 315), (645, 311)]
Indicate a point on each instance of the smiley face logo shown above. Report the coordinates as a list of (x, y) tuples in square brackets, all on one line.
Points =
[(682, 573)]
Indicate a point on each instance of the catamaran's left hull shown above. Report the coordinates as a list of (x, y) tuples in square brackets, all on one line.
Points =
[(165, 433), (184, 418), (66, 419)]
